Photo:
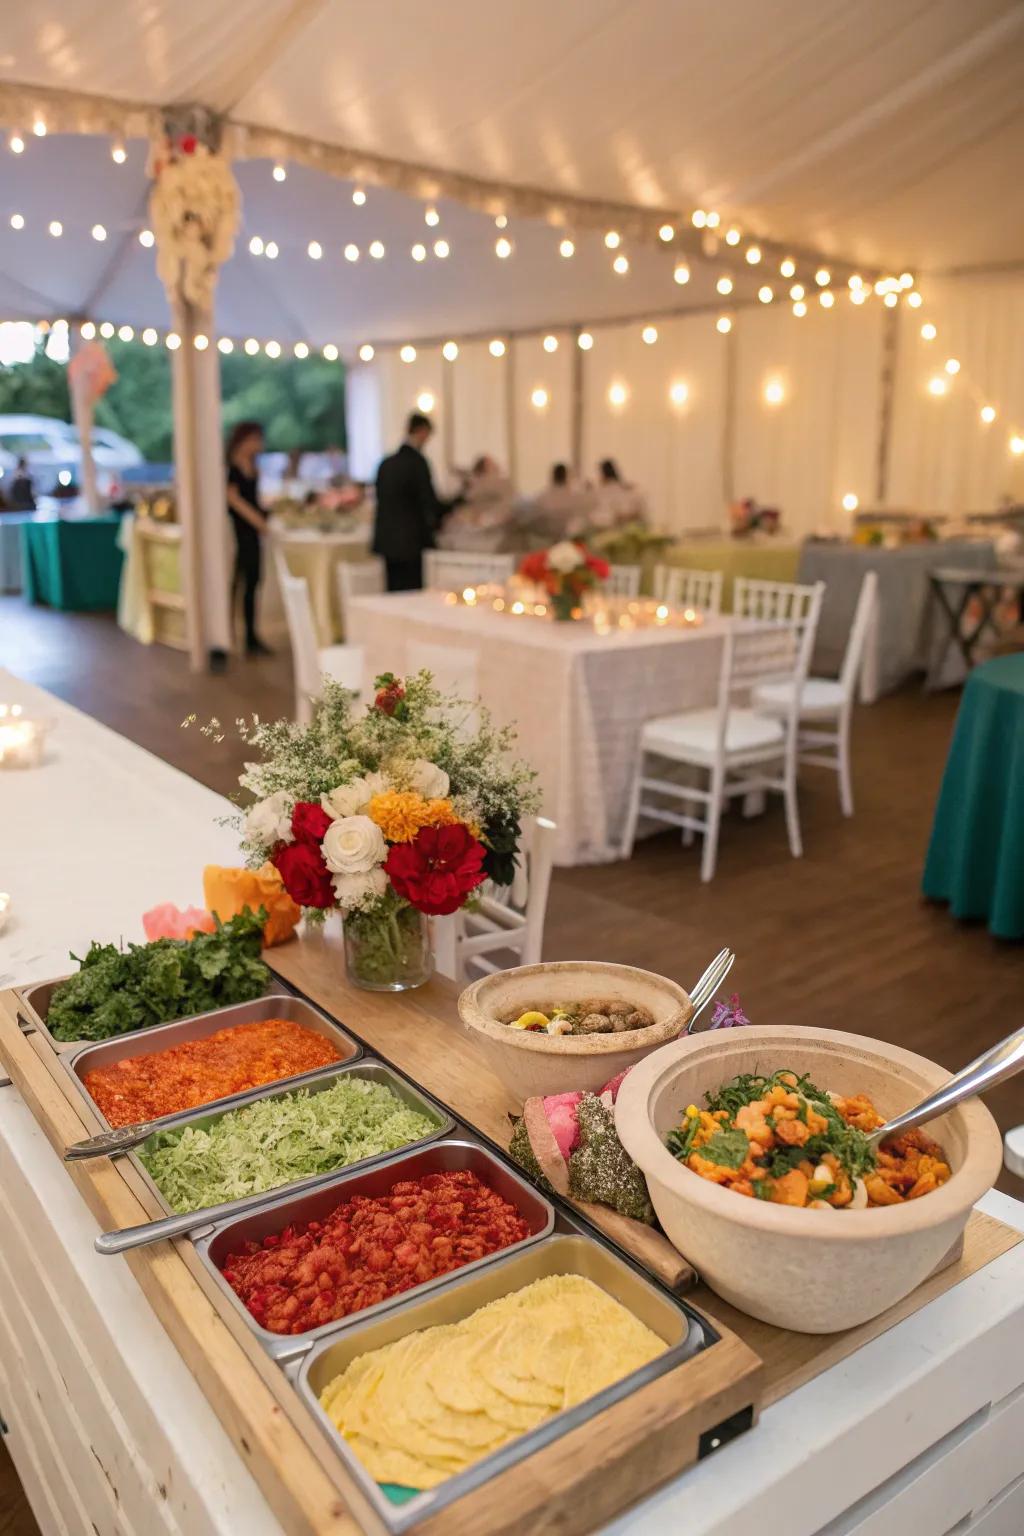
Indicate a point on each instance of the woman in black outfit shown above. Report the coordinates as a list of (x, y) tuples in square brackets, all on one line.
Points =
[(248, 520)]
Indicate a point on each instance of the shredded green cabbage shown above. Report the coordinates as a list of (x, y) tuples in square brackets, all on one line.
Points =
[(276, 1141)]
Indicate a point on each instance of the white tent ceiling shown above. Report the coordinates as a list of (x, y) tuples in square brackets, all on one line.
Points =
[(882, 133)]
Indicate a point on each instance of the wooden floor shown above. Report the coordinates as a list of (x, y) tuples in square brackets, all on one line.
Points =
[(840, 938)]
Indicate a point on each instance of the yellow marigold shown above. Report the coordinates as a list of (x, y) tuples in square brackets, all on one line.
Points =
[(400, 814)]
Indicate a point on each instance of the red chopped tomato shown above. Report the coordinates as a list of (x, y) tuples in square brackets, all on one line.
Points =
[(371, 1248)]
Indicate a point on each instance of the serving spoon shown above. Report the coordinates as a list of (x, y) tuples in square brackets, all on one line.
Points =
[(984, 1072)]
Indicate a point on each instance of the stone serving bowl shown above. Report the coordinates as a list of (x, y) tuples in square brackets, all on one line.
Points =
[(811, 1271), (529, 1063)]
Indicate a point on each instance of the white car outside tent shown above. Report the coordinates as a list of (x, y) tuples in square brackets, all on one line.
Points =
[(53, 452)]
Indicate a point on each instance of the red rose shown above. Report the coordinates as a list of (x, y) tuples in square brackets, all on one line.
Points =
[(534, 567), (438, 869), (305, 875), (309, 822), (390, 694), (600, 568), (188, 143)]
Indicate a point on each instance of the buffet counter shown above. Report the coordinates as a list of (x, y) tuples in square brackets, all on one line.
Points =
[(112, 1431)]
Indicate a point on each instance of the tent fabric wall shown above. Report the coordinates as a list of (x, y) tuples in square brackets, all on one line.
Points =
[(479, 392), (542, 435)]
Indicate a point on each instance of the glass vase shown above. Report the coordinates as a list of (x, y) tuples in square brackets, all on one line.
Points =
[(388, 951), (563, 604)]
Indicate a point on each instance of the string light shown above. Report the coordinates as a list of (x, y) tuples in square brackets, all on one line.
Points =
[(732, 236), (270, 250), (252, 346), (799, 309), (774, 392), (666, 233), (928, 331), (649, 334), (330, 353), (724, 285), (39, 128), (450, 351), (497, 347), (441, 249), (906, 279), (172, 341), (698, 218), (682, 273), (620, 265), (56, 228), (937, 385), (314, 250), (366, 353), (584, 341), (723, 325), (566, 249), (714, 219), (300, 349), (503, 247), (279, 173), (797, 291), (539, 399), (149, 336), (98, 232), (16, 144), (858, 295), (106, 330), (753, 254), (765, 294), (351, 252), (618, 394), (88, 331), (425, 401), (225, 345), (826, 299), (1017, 444), (407, 354), (256, 246), (501, 221), (431, 217), (550, 343), (273, 349), (855, 280), (199, 342), (612, 239), (823, 277), (147, 238), (915, 300), (118, 153), (987, 414), (850, 502), (418, 252), (17, 221), (376, 249), (787, 267), (952, 365), (358, 196), (678, 393), (891, 300)]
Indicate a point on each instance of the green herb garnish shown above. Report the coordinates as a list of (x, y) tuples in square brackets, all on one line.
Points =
[(727, 1147)]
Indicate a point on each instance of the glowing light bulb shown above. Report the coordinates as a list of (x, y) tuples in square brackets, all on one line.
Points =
[(753, 254), (147, 238), (270, 250), (797, 291), (407, 354), (617, 394), (273, 349), (732, 236), (225, 345), (88, 331), (698, 218), (330, 352), (850, 502), (418, 252), (351, 252), (987, 413), (584, 341), (915, 300), (279, 173), (501, 220), (496, 347), (823, 277), (425, 401), (376, 249), (799, 309), (858, 295), (937, 385), (118, 153), (149, 336), (441, 249), (666, 233), (1017, 444), (539, 399), (172, 341), (714, 219), (56, 228), (724, 285), (550, 343), (106, 330), (358, 196), (503, 248), (314, 250), (16, 144), (39, 128), (252, 346), (649, 334), (300, 349), (855, 280), (17, 221), (787, 267), (612, 239), (906, 279), (723, 325), (199, 342), (450, 351), (678, 393), (99, 232), (431, 217), (952, 365), (765, 294), (566, 249), (125, 333), (366, 353), (826, 299), (891, 300), (682, 273), (620, 265), (928, 331), (774, 392), (256, 246)]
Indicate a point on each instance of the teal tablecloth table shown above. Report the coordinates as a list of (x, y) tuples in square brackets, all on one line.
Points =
[(71, 562), (976, 854)]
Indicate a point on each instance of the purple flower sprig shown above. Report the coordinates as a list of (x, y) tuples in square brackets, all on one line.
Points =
[(728, 1015)]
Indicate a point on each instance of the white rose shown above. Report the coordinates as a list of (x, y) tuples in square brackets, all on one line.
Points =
[(353, 845), (564, 557), (428, 779), (352, 799), (270, 821), (354, 891)]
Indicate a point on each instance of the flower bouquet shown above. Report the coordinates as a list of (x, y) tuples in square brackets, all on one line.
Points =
[(390, 816), (565, 571)]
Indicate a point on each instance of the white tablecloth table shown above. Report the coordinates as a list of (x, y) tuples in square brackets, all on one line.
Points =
[(314, 555), (577, 698), (920, 1431)]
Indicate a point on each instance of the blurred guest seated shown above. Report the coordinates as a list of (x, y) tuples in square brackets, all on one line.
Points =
[(21, 494), (484, 520), (617, 500), (562, 509)]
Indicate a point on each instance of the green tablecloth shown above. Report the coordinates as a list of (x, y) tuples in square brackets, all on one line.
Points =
[(976, 855), (765, 560), (72, 563)]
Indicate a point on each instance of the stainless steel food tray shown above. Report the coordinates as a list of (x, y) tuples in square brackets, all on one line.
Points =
[(376, 1071), (313, 1205), (34, 1007), (463, 1293), (81, 1059)]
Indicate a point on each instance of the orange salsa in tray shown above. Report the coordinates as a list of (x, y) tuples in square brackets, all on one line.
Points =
[(197, 1072)]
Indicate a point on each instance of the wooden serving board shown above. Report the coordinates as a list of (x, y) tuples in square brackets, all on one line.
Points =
[(638, 1443)]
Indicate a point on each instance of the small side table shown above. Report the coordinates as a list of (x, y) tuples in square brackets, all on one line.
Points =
[(953, 589)]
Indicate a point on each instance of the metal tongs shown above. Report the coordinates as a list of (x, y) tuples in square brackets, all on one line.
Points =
[(704, 990), (111, 1143)]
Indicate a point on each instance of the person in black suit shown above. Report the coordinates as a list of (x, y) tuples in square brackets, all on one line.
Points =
[(409, 510)]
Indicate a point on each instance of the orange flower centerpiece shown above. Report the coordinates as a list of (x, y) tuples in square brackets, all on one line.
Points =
[(565, 571), (390, 817)]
